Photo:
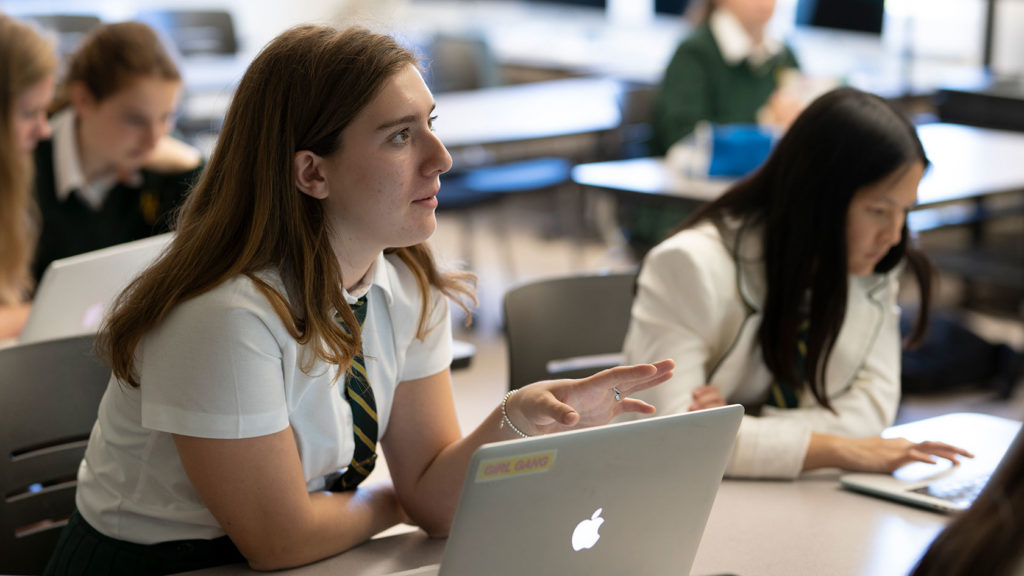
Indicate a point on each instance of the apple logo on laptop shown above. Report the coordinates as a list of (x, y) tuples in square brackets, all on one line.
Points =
[(93, 316), (585, 535)]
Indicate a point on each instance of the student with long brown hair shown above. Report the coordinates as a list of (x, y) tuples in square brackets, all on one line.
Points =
[(112, 173), (781, 295), (27, 66), (297, 319)]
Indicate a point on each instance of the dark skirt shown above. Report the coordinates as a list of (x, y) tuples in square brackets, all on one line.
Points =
[(82, 550)]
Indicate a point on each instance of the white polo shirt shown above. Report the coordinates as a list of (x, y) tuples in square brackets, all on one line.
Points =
[(222, 365)]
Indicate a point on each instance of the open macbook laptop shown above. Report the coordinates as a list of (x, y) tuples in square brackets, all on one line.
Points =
[(75, 293), (630, 498), (943, 486)]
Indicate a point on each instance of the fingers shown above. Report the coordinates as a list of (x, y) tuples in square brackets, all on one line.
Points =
[(630, 379), (942, 450), (554, 410), (706, 397), (637, 406)]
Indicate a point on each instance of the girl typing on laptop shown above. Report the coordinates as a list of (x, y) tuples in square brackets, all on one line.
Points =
[(27, 65), (781, 296), (298, 319)]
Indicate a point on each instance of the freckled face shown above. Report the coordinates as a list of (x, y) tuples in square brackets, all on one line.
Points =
[(384, 177), (877, 214)]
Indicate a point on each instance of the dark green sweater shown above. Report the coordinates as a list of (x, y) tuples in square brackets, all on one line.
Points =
[(700, 85), (129, 213)]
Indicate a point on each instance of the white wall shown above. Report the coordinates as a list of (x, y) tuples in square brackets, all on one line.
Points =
[(1008, 38)]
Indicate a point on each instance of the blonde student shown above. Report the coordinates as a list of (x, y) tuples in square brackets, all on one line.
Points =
[(111, 173), (781, 296), (297, 321), (27, 65)]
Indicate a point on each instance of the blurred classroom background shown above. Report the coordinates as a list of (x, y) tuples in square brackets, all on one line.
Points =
[(530, 90)]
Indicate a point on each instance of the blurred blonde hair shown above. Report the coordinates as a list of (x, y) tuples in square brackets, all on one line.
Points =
[(26, 58)]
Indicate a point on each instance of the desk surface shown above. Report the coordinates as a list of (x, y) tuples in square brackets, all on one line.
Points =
[(528, 111), (967, 162), (764, 528), (500, 115)]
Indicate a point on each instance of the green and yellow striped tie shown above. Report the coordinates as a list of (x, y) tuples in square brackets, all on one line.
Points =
[(364, 417), (784, 395)]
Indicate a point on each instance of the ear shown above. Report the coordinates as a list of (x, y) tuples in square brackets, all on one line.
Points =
[(80, 96), (309, 176)]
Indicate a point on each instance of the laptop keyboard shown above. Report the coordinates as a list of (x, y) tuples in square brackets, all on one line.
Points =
[(960, 491)]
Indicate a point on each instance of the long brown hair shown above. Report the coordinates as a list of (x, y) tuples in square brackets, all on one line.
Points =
[(26, 58), (845, 140), (112, 56), (246, 215)]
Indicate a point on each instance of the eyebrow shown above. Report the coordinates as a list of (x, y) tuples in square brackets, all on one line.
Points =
[(402, 120), (889, 200)]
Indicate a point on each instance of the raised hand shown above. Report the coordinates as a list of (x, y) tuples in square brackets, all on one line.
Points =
[(558, 405)]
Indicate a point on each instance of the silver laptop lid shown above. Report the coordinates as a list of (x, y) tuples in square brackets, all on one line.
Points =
[(75, 293), (629, 498)]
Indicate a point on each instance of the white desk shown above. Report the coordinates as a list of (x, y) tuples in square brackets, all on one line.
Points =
[(519, 118), (528, 111), (967, 163), (762, 528)]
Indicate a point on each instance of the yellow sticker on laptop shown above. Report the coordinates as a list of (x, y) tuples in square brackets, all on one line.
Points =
[(503, 468)]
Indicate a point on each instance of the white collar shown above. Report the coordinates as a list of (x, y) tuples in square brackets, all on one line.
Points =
[(735, 43), (68, 174)]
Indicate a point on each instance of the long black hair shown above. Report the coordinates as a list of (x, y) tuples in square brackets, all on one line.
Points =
[(844, 141)]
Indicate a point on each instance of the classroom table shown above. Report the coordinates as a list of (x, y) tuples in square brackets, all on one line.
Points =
[(563, 117), (975, 175), (967, 163), (765, 528)]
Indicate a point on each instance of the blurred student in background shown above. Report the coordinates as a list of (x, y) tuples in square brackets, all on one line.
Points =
[(111, 173), (27, 66), (727, 71)]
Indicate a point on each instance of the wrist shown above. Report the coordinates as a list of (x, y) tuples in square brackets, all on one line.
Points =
[(824, 451), (506, 420)]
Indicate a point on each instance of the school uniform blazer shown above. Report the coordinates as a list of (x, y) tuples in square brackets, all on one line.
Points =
[(698, 302)]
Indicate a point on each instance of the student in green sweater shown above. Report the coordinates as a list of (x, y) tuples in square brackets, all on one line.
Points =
[(726, 71), (111, 173)]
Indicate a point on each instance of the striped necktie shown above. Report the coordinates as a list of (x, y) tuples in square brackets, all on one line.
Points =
[(783, 395), (364, 417)]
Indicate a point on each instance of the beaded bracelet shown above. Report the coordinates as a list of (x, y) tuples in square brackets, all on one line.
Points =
[(504, 415)]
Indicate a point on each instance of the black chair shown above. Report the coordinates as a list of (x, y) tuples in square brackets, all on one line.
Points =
[(69, 29), (49, 395), (568, 327), (195, 32)]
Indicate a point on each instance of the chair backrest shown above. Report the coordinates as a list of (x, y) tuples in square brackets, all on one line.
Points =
[(195, 32), (461, 62), (70, 29), (49, 395), (567, 327)]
